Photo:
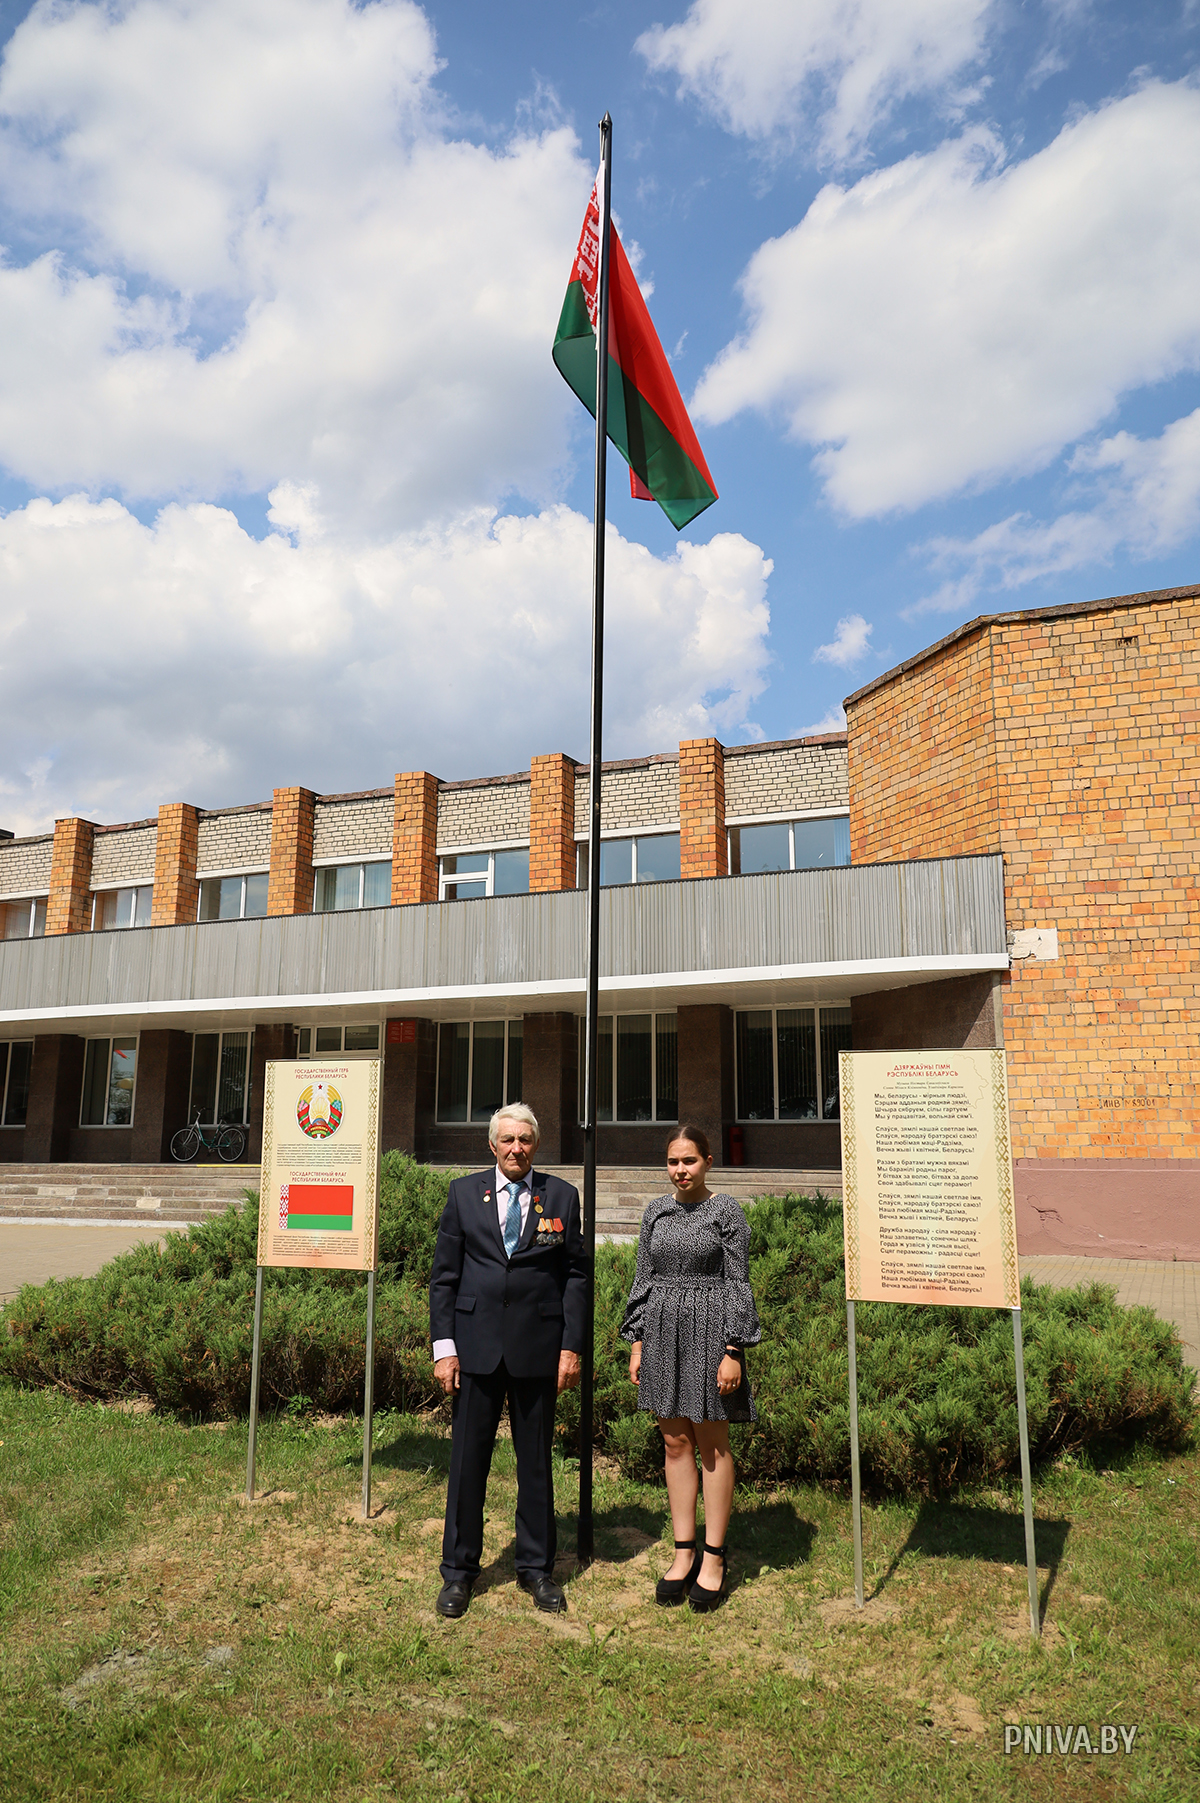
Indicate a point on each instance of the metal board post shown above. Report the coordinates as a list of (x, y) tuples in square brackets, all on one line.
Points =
[(855, 1470), (368, 1397), (254, 1363), (1035, 1613)]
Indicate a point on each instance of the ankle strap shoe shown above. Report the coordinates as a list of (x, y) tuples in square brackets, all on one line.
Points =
[(704, 1601), (669, 1592)]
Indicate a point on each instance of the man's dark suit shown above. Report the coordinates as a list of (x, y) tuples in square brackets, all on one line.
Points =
[(509, 1320)]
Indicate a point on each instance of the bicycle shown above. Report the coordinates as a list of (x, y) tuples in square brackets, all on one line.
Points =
[(226, 1141)]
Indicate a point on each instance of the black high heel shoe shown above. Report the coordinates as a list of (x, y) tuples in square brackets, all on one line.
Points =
[(670, 1591), (704, 1601)]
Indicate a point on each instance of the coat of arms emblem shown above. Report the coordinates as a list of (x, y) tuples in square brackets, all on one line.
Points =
[(319, 1110)]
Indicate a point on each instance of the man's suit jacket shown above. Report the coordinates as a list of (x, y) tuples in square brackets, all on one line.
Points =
[(524, 1310)]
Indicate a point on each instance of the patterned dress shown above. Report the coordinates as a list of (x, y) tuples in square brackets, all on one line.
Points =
[(690, 1299)]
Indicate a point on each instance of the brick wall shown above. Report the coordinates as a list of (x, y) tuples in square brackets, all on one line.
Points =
[(703, 844), (487, 811), (552, 823), (25, 865), (353, 826), (1067, 739), (638, 794), (234, 838), (69, 909), (786, 777), (290, 887), (176, 890), (414, 838), (124, 855)]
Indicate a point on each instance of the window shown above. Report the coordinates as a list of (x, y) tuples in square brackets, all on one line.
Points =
[(478, 1068), (352, 886), (220, 1072), (637, 1066), (108, 1073), (780, 1076), (789, 845), (16, 1057), (470, 875), (24, 919), (321, 1041), (233, 897), (652, 858), (121, 908)]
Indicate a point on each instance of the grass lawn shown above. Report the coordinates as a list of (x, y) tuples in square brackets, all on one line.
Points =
[(161, 1640)]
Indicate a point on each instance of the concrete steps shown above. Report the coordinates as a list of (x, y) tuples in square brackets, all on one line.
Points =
[(176, 1194)]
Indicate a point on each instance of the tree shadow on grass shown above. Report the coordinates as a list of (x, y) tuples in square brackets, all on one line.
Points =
[(762, 1536), (967, 1531), (413, 1449)]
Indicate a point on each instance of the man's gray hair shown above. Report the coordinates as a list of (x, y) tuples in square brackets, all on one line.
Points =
[(515, 1111)]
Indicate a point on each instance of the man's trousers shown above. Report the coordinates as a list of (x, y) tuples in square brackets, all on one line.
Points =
[(477, 1405)]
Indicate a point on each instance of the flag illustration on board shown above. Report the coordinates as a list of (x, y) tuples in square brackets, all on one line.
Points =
[(647, 420), (317, 1207)]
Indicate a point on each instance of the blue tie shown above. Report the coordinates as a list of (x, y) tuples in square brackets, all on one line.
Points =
[(512, 1220)]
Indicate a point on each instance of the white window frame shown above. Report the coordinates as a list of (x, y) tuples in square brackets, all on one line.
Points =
[(249, 1032), (475, 877), (225, 876), (13, 1126), (310, 1027), (31, 901), (111, 1126), (791, 821), (656, 1119), (437, 1099), (658, 832), (813, 1008), (122, 926), (345, 864)]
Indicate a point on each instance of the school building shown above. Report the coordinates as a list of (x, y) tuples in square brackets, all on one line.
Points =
[(1001, 850)]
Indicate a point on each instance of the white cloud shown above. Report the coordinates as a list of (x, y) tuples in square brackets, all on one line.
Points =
[(1137, 495), (185, 660), (763, 68), (832, 720), (850, 643), (271, 261), (951, 321)]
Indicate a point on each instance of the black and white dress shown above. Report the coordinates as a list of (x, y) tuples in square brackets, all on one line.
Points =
[(690, 1299)]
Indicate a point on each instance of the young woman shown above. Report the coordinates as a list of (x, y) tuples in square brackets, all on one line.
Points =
[(690, 1316)]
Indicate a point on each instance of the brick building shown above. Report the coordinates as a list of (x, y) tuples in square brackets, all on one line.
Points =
[(1000, 850)]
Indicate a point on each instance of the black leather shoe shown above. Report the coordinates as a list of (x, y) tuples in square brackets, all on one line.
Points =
[(669, 1592), (545, 1592), (454, 1598), (702, 1600)]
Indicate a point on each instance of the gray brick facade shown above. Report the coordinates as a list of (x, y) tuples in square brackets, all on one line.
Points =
[(788, 778), (483, 813), (640, 792), (124, 855), (234, 839), (360, 826), (25, 865)]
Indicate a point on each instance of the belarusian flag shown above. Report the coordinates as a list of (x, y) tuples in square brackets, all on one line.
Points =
[(647, 420), (319, 1207)]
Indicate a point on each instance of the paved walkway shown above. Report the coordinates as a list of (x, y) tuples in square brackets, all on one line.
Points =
[(31, 1254)]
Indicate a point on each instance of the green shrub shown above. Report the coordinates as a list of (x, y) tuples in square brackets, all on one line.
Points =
[(936, 1389)]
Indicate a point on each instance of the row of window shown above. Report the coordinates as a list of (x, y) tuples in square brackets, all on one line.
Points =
[(462, 876)]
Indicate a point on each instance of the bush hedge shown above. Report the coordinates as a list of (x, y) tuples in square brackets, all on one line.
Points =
[(936, 1395)]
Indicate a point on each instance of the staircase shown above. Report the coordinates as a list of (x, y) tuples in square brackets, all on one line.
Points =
[(176, 1195)]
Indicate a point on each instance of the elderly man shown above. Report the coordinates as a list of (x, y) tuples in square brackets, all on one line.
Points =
[(506, 1306)]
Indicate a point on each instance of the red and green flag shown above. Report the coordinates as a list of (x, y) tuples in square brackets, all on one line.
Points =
[(318, 1207), (647, 420)]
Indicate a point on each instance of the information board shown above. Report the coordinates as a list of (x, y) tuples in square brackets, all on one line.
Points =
[(927, 1179), (320, 1164)]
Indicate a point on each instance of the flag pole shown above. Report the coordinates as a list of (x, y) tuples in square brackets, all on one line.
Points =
[(587, 1545)]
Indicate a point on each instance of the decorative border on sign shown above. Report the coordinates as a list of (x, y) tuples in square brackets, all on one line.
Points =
[(266, 1173), (370, 1216), (849, 1175), (1004, 1179)]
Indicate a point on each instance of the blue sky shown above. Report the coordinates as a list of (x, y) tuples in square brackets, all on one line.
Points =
[(292, 492)]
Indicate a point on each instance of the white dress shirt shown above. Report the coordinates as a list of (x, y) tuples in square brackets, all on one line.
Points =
[(446, 1349)]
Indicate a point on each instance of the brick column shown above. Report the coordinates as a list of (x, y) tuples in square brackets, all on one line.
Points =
[(290, 885), (164, 1074), (55, 1094), (703, 847), (409, 1086), (273, 1042), (176, 891), (550, 1081), (69, 909), (551, 822), (414, 838), (706, 1087)]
